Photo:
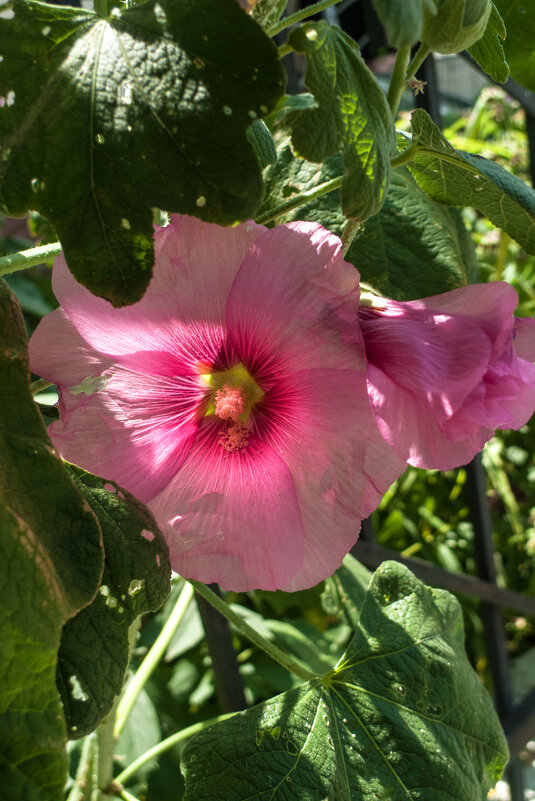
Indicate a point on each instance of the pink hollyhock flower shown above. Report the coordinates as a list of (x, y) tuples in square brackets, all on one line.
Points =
[(231, 399), (445, 371)]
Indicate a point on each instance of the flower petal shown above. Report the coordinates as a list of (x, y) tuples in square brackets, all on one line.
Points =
[(321, 426), (294, 303), (182, 311), (232, 518)]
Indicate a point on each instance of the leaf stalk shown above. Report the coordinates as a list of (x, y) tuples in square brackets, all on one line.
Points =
[(309, 11), (398, 80), (28, 258)]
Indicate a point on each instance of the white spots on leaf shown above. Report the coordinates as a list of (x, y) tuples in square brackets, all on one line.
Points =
[(201, 201), (160, 15), (77, 690), (104, 590), (252, 114), (227, 110), (125, 224), (125, 93), (135, 586), (264, 109), (129, 128), (10, 98), (34, 183), (46, 30), (147, 535), (7, 13), (99, 139), (6, 153)]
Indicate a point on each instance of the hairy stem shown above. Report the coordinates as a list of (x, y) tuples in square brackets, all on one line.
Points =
[(405, 156), (168, 743), (270, 648), (300, 200), (152, 658), (28, 258), (398, 81), (419, 58), (79, 788), (349, 233), (286, 22)]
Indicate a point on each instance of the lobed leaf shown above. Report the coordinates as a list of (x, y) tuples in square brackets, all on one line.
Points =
[(94, 650), (489, 50), (352, 117), (460, 179), (104, 118), (402, 717), (51, 553), (403, 19)]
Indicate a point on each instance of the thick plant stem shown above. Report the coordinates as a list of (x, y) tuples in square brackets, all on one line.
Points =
[(299, 200), (28, 258), (406, 156), (286, 22), (348, 234), (270, 648), (81, 780), (152, 658), (168, 743), (419, 58), (398, 81), (106, 749)]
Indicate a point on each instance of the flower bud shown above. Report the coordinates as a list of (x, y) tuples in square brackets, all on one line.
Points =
[(456, 25)]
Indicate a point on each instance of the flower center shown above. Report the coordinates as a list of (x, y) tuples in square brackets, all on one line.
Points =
[(234, 393)]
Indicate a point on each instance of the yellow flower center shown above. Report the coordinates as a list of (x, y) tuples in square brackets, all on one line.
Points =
[(234, 393)]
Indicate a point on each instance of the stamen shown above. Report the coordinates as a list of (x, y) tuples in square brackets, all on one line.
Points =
[(235, 437)]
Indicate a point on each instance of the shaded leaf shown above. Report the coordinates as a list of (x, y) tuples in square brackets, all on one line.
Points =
[(346, 589), (488, 51), (94, 650), (460, 179), (519, 19), (402, 19), (402, 716), (51, 554), (158, 99), (352, 117), (268, 12)]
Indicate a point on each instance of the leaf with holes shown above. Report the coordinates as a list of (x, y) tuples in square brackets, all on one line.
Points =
[(460, 179), (352, 117), (104, 118), (402, 717), (51, 555), (94, 650)]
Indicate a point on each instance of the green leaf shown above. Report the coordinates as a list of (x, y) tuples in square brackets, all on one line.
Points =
[(411, 249), (352, 117), (402, 19), (402, 716), (488, 51), (346, 589), (519, 19), (268, 12), (94, 650), (106, 118), (51, 555), (460, 179), (264, 147)]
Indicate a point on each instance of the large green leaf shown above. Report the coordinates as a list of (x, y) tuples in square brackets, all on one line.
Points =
[(94, 650), (403, 19), (488, 51), (519, 19), (345, 590), (268, 12), (352, 117), (460, 179), (411, 249), (402, 717), (105, 118), (51, 555)]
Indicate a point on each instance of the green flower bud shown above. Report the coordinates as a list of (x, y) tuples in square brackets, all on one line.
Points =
[(456, 25)]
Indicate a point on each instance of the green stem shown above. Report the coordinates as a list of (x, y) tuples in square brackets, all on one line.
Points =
[(126, 796), (285, 49), (168, 743), (40, 385), (398, 81), (78, 790), (405, 156), (152, 658), (299, 200), (106, 749), (286, 22), (419, 58), (348, 234), (28, 258), (270, 648)]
